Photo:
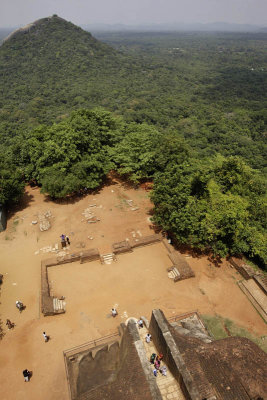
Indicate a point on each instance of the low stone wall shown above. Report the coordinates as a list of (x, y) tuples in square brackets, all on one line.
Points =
[(165, 344), (46, 300), (146, 240), (181, 265), (248, 272), (261, 282), (245, 270), (121, 247), (256, 296)]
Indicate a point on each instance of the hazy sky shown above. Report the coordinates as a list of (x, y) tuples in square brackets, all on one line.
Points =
[(21, 12)]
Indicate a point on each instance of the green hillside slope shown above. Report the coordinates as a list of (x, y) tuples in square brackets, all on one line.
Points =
[(48, 68)]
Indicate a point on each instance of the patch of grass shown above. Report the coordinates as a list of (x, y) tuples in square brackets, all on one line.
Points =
[(202, 291), (16, 222), (122, 205), (214, 326), (8, 237), (218, 327)]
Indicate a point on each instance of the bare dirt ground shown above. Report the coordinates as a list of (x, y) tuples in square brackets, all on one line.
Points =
[(136, 283)]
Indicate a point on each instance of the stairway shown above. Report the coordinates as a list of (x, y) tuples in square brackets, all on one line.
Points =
[(174, 273), (168, 385), (107, 258), (59, 305)]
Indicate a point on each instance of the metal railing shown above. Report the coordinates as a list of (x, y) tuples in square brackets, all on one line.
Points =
[(91, 343), (178, 317)]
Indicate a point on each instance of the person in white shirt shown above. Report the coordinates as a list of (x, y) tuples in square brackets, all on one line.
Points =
[(148, 338), (140, 323), (46, 338), (114, 312), (163, 370)]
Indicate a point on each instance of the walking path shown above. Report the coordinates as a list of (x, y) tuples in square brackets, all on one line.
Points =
[(168, 386)]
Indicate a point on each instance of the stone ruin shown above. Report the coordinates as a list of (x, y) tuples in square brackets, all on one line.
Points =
[(254, 285), (180, 269), (53, 306), (116, 367)]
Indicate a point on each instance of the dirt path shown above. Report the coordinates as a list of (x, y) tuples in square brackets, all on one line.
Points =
[(137, 282)]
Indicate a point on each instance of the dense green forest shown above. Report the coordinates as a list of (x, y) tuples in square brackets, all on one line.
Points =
[(186, 110)]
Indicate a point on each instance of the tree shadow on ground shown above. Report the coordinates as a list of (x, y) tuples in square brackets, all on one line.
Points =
[(24, 202), (2, 333)]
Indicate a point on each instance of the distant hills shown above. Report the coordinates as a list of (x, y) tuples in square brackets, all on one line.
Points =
[(179, 26), (163, 27)]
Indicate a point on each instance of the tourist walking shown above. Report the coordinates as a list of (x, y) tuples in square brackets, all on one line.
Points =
[(114, 312), (152, 358), (67, 239), (26, 373), (46, 338), (148, 338), (19, 305), (63, 241), (9, 324), (155, 372), (163, 370), (140, 323), (157, 364)]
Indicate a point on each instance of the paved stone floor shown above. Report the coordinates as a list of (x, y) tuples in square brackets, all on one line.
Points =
[(167, 385)]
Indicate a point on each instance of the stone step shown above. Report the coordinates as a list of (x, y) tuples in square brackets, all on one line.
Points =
[(168, 385), (256, 296), (174, 273), (107, 258), (58, 305)]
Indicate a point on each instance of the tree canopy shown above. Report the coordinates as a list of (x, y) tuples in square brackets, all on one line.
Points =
[(73, 154), (218, 203)]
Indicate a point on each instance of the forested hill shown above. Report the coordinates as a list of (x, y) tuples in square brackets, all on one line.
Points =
[(48, 67)]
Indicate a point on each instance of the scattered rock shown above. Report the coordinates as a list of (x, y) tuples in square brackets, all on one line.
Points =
[(44, 225), (34, 222), (93, 220)]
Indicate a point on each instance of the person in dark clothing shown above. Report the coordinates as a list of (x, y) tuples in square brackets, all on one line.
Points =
[(152, 358), (26, 373), (9, 324)]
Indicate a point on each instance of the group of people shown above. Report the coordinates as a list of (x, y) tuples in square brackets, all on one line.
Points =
[(20, 306), (64, 240), (156, 361)]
